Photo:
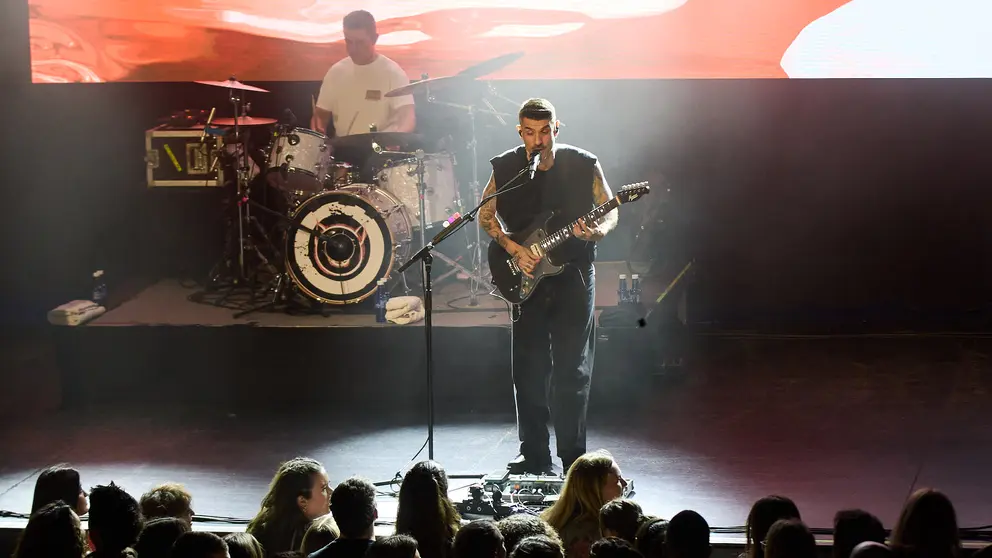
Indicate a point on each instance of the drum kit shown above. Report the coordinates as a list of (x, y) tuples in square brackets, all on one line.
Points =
[(340, 213)]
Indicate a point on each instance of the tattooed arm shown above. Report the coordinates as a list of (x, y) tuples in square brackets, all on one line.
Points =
[(601, 194), (489, 223)]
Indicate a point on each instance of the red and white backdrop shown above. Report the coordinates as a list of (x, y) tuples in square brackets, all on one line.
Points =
[(296, 40)]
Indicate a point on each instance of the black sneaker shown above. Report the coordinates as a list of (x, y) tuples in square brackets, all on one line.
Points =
[(521, 465)]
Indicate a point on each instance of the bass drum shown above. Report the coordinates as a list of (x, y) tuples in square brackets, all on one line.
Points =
[(363, 231)]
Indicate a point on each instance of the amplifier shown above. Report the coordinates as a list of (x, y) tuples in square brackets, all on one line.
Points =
[(177, 157)]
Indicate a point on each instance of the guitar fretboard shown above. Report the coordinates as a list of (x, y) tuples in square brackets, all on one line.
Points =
[(561, 235)]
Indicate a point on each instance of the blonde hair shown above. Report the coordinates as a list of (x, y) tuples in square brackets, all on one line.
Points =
[(322, 532), (582, 495)]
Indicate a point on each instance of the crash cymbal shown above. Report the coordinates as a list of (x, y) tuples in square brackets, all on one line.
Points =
[(432, 83), (233, 84), (244, 121), (384, 139), (490, 66)]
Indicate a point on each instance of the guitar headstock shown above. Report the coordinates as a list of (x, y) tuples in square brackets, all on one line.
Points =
[(632, 192)]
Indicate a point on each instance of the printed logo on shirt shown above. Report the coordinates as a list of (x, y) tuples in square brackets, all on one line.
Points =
[(373, 95)]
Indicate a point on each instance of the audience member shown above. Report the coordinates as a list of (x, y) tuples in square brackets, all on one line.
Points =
[(114, 522), (243, 545), (425, 511), (199, 544), (53, 531), (290, 554), (593, 479), (479, 539), (517, 527), (168, 500), (158, 536), (322, 532), (651, 536), (60, 482), (620, 518), (853, 527), (927, 526), (297, 495), (394, 546), (613, 547), (763, 513), (789, 538), (688, 536), (871, 549), (353, 508), (538, 546)]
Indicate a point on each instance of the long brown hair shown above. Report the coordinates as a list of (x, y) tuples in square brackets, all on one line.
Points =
[(280, 524), (425, 511), (582, 495), (52, 532), (928, 525), (765, 512)]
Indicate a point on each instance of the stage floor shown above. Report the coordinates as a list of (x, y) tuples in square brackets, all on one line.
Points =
[(832, 423)]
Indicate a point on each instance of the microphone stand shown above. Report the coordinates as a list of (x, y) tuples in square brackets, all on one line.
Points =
[(426, 255)]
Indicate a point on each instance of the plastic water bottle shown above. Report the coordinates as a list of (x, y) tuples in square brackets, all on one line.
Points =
[(99, 288), (635, 289), (380, 301), (623, 297)]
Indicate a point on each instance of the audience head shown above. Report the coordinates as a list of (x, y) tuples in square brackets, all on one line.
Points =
[(200, 544), (538, 546), (871, 549), (158, 536), (789, 538), (167, 500), (592, 480), (298, 494), (688, 536), (763, 513), (480, 539), (620, 518), (394, 546), (425, 512), (353, 508), (613, 547), (115, 519), (243, 545), (927, 526), (651, 536), (60, 482), (289, 554), (852, 527), (322, 532), (518, 527), (52, 532)]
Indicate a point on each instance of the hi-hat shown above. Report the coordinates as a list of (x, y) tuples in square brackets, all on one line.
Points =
[(244, 121), (233, 84)]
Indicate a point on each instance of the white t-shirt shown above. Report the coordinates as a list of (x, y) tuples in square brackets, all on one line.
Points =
[(355, 95)]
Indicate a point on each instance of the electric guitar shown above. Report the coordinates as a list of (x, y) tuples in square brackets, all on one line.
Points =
[(510, 282)]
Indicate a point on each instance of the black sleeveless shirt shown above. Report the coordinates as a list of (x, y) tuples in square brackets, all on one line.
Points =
[(565, 189)]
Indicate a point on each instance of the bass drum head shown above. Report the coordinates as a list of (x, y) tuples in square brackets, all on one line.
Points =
[(357, 249)]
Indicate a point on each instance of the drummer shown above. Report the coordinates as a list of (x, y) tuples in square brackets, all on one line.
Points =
[(352, 97)]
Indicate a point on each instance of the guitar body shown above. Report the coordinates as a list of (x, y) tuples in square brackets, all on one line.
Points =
[(511, 283)]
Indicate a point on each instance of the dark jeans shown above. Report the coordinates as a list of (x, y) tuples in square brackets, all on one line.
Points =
[(553, 349)]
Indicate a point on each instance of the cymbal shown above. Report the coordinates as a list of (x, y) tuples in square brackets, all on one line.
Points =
[(244, 121), (433, 83), (364, 141), (233, 84), (491, 65)]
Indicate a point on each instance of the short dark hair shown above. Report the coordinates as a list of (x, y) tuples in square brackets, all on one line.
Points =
[(58, 482), (518, 527), (393, 546), (158, 536), (479, 539), (360, 19), (198, 544), (538, 546), (621, 516), (115, 519), (790, 538), (613, 547), (853, 527), (651, 536), (166, 500), (688, 536), (353, 506), (537, 109)]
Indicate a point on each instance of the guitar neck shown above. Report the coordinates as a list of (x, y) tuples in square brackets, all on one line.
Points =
[(555, 239)]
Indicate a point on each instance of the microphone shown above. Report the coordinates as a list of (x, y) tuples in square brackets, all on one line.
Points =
[(535, 160)]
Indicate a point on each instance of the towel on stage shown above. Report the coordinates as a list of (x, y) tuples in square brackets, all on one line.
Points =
[(404, 310)]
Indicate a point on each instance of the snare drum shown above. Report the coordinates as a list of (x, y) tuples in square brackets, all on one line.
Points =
[(301, 160), (441, 199)]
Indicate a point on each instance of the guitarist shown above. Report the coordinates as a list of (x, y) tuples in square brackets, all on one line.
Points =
[(556, 324)]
